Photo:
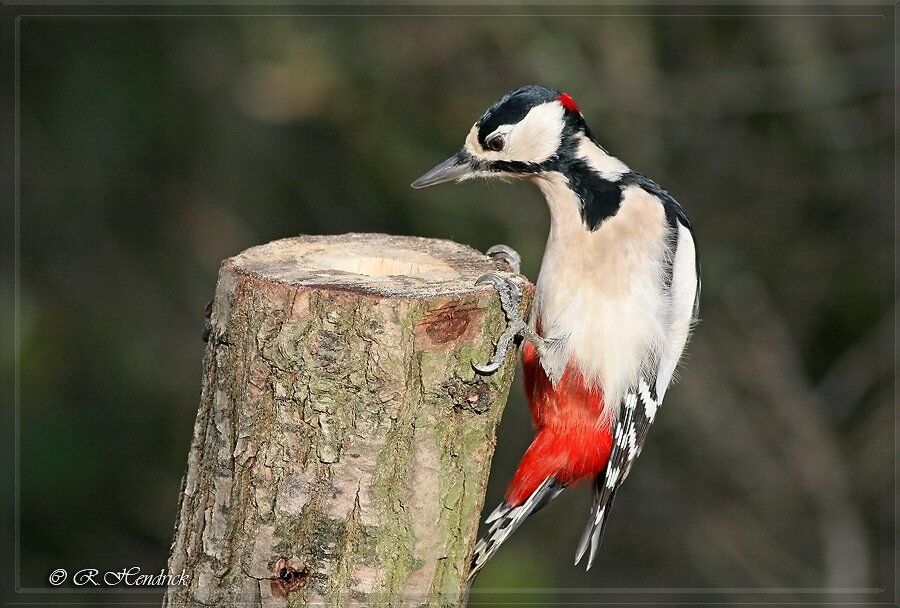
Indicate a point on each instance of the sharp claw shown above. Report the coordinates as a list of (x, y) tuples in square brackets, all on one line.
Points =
[(500, 351), (501, 248), (508, 255), (499, 357), (509, 294), (488, 368), (491, 277)]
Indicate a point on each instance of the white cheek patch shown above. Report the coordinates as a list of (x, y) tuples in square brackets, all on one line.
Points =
[(537, 136), (533, 139)]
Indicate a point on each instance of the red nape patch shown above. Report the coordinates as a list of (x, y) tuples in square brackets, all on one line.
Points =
[(568, 103)]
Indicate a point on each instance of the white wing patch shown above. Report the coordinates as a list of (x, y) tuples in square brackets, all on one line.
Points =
[(684, 293)]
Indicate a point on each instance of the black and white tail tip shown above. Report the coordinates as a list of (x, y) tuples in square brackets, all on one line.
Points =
[(505, 520), (593, 532)]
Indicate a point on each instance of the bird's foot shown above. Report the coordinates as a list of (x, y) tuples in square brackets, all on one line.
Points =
[(510, 297), (505, 258), (508, 259)]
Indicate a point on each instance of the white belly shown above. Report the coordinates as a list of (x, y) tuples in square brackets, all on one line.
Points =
[(603, 292)]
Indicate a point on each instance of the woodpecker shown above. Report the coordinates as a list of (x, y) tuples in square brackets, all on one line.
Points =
[(616, 300)]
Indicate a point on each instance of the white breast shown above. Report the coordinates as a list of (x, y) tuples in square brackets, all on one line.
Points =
[(603, 292)]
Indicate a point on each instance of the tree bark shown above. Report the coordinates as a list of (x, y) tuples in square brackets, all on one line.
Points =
[(343, 441)]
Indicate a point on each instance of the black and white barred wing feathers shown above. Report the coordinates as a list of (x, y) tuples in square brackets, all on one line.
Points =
[(635, 417)]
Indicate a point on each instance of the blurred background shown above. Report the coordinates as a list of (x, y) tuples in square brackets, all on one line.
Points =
[(151, 149)]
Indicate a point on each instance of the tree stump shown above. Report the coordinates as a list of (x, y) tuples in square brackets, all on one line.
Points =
[(343, 441)]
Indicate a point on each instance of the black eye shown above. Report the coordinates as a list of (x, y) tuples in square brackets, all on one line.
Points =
[(495, 143)]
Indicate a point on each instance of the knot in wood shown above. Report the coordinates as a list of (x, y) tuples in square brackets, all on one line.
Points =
[(451, 322), (474, 397), (288, 577)]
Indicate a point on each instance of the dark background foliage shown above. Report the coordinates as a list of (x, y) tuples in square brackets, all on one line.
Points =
[(151, 149)]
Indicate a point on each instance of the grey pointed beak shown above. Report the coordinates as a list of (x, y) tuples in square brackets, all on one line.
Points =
[(458, 166)]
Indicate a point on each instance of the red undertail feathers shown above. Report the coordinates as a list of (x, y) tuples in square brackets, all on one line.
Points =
[(569, 445)]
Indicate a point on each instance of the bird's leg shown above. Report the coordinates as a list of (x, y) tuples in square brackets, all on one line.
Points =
[(510, 296)]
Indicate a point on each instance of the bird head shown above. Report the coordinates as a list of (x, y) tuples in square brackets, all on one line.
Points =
[(527, 132)]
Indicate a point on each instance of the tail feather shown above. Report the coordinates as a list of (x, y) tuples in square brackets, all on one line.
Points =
[(593, 532), (506, 518), (501, 510)]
